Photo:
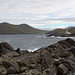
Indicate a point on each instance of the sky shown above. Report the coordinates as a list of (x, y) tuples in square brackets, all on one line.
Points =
[(43, 14)]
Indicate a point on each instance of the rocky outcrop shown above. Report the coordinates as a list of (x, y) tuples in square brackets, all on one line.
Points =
[(56, 59), (5, 48), (62, 32)]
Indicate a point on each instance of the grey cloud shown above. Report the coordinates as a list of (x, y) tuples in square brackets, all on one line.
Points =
[(9, 9), (61, 19)]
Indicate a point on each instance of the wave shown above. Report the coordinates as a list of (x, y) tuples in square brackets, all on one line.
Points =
[(32, 50)]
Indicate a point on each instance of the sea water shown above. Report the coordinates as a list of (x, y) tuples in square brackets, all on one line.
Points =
[(30, 42)]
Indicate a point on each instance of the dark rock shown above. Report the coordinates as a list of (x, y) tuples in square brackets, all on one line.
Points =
[(6, 64), (11, 70), (72, 50), (22, 51), (2, 70), (5, 48), (23, 69), (18, 50), (62, 70), (56, 59), (70, 41), (33, 72)]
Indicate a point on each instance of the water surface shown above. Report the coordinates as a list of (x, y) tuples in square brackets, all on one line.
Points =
[(30, 41)]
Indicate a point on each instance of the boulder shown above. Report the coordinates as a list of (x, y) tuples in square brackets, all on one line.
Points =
[(5, 48), (56, 59)]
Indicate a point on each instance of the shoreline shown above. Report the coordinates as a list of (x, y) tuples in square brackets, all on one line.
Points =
[(56, 59)]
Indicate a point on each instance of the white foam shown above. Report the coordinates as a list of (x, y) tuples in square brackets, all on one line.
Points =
[(32, 50), (52, 36)]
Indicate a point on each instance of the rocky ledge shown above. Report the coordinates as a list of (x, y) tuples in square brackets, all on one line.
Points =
[(56, 59)]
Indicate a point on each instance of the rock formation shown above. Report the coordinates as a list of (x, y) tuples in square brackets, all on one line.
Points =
[(56, 59)]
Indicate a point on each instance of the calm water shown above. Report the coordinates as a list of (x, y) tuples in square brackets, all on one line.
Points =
[(30, 42)]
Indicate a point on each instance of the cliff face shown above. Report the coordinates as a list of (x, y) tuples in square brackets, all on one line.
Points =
[(56, 59)]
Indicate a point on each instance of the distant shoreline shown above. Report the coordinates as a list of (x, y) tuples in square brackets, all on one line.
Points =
[(20, 33)]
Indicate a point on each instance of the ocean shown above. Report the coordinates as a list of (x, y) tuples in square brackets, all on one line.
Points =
[(30, 42)]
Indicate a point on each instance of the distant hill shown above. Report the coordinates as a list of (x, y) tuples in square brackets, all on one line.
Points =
[(70, 27), (70, 31), (7, 28), (56, 32)]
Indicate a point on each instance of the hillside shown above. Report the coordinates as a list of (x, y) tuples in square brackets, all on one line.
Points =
[(6, 28), (56, 32), (70, 27), (62, 32)]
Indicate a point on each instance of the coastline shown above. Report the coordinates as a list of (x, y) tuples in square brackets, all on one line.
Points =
[(56, 59)]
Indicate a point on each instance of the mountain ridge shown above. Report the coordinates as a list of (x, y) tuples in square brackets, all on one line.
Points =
[(7, 28), (62, 32), (70, 27)]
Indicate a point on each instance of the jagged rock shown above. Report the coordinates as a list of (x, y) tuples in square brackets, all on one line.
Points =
[(56, 59), (22, 52), (5, 48), (62, 69), (23, 69), (70, 41), (2, 70), (50, 71), (33, 72), (11, 70), (6, 64)]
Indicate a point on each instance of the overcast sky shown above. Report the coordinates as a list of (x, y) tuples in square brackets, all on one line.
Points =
[(39, 13)]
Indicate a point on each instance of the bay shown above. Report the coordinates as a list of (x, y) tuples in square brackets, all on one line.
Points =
[(30, 42)]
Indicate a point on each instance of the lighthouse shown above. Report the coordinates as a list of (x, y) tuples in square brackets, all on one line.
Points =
[(67, 32)]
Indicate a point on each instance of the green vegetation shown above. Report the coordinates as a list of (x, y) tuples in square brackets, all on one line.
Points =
[(62, 31), (58, 31), (72, 30), (6, 28)]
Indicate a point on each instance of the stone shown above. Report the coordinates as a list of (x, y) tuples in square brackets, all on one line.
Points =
[(56, 59)]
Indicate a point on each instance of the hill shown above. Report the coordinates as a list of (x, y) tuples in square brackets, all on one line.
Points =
[(7, 28), (70, 27), (56, 32), (70, 31)]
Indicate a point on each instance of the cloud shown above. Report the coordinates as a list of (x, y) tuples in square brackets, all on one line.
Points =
[(32, 11), (60, 20), (59, 27), (42, 16), (37, 6)]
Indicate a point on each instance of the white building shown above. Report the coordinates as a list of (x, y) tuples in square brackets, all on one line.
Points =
[(67, 32)]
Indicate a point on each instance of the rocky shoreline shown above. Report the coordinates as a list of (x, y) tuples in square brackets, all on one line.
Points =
[(56, 59)]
